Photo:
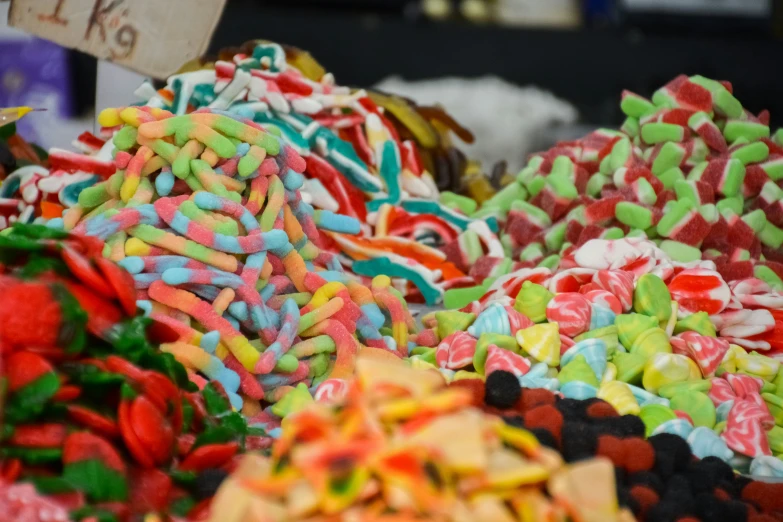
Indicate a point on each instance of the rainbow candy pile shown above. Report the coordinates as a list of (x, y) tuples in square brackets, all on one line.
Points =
[(401, 446), (367, 155), (669, 341), (205, 210)]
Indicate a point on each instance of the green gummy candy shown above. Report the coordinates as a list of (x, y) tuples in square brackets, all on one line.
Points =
[(596, 184), (773, 168), (668, 391), (460, 297), (532, 300), (680, 252), (698, 171), (673, 215), (631, 127), (577, 214), (637, 232), (775, 438), (750, 130), (464, 204), (536, 185), (636, 106), (771, 235), (125, 138), (755, 220), (427, 355), (630, 366), (734, 178), (670, 177), (726, 103), (670, 156), (534, 213), (659, 132), (578, 370), (645, 193), (562, 166), (503, 199), (769, 276), (613, 233), (550, 262), (607, 334), (633, 215), (651, 297), (735, 204), (621, 151), (710, 213), (686, 189), (653, 415), (554, 237), (531, 252), (650, 342), (751, 153), (562, 186), (93, 196), (630, 326), (775, 405), (662, 98), (451, 321), (698, 322), (697, 405)]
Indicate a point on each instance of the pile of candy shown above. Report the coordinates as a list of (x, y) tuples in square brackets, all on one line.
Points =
[(19, 163), (205, 210), (93, 415), (401, 446), (367, 155), (664, 340), (691, 169), (658, 479)]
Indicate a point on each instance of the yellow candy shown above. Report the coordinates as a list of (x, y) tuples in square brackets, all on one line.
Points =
[(619, 395), (668, 368), (729, 363), (464, 374), (610, 373), (651, 341), (758, 365), (669, 327), (542, 342)]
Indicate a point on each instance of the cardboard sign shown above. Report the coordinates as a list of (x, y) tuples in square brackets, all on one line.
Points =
[(153, 37)]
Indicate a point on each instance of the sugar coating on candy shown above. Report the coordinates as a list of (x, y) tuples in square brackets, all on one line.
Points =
[(472, 448), (368, 155), (238, 254)]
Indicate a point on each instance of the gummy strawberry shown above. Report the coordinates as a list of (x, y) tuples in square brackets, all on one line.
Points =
[(29, 314)]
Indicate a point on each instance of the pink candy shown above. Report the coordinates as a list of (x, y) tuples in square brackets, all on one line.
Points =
[(605, 299), (571, 311), (708, 352), (501, 359), (700, 290), (456, 351), (617, 283)]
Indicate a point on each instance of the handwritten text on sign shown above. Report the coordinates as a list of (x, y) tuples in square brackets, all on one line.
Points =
[(154, 37)]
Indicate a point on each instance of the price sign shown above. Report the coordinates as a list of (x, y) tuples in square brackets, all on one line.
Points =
[(153, 37)]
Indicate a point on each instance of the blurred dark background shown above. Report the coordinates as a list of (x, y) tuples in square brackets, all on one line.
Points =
[(583, 51)]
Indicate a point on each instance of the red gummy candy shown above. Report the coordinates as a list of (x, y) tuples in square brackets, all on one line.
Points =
[(83, 445), (29, 314)]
